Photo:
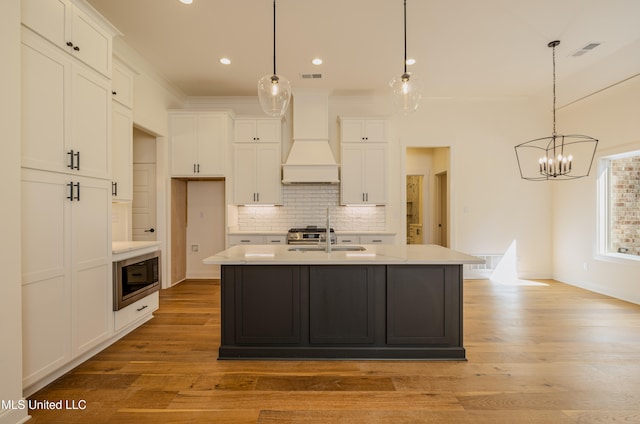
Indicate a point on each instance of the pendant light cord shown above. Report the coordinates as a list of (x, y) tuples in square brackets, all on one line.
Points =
[(553, 45), (405, 36), (274, 37)]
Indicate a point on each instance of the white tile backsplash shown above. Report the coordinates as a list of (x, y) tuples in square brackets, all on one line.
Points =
[(307, 205)]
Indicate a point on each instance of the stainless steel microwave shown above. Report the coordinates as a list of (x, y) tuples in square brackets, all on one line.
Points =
[(135, 278)]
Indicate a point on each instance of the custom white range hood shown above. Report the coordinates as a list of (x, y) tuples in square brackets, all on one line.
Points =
[(310, 159)]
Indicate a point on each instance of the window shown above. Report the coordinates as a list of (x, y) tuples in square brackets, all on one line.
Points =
[(619, 200)]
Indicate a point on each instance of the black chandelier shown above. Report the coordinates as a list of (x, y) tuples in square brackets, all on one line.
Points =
[(559, 157)]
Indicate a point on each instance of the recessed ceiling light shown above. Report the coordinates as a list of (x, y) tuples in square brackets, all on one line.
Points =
[(186, 1), (317, 61), (224, 60), (411, 61)]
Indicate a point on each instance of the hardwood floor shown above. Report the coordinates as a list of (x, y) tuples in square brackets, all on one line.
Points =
[(547, 353)]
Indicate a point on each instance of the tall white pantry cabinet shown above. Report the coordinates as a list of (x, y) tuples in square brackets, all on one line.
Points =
[(66, 183)]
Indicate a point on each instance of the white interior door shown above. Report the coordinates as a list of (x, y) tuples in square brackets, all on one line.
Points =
[(144, 202)]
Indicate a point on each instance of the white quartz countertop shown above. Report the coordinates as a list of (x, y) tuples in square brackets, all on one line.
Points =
[(373, 254), (126, 246)]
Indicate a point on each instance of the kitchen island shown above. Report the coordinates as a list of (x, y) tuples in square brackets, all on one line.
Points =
[(356, 302)]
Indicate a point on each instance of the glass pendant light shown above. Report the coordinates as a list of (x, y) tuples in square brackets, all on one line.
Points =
[(274, 91), (406, 89)]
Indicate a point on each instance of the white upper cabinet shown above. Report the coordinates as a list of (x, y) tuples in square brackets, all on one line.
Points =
[(364, 174), (199, 143), (257, 174), (91, 122), (122, 152), (262, 130), (67, 26), (66, 112), (257, 161), (357, 130), (364, 161), (122, 84), (49, 18)]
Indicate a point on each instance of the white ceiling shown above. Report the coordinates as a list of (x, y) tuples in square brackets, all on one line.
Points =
[(463, 48)]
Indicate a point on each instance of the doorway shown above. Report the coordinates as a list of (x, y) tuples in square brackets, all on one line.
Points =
[(442, 209), (144, 214), (197, 227), (427, 195)]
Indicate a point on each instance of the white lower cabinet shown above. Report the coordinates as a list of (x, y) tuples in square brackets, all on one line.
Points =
[(377, 239), (137, 311), (366, 239), (66, 269), (348, 239), (236, 239)]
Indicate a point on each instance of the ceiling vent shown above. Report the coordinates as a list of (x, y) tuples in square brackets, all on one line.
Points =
[(311, 76), (585, 49)]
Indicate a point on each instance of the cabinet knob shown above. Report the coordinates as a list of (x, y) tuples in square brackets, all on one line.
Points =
[(150, 230), (76, 48), (69, 43), (114, 93)]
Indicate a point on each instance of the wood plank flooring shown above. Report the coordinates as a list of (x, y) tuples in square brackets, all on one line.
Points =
[(547, 353)]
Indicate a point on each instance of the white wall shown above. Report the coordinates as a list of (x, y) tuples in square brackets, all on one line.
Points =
[(490, 206), (10, 269), (611, 116)]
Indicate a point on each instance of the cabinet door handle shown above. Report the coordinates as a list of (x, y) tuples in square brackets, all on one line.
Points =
[(258, 197), (141, 308), (70, 196), (114, 188), (71, 186), (198, 168), (70, 153), (194, 168), (245, 241), (376, 241), (77, 154)]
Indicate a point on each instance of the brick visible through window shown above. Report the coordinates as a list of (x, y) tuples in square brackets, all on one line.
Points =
[(624, 205)]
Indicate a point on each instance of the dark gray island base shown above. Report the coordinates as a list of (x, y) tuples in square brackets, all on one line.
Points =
[(318, 312)]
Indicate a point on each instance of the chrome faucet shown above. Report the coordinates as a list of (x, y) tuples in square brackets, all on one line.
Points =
[(328, 232)]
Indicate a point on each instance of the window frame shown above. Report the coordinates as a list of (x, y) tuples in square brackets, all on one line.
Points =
[(604, 215)]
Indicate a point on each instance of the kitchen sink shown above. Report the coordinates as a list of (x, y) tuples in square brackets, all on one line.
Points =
[(322, 249)]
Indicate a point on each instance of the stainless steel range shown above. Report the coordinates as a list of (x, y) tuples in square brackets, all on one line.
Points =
[(310, 235)]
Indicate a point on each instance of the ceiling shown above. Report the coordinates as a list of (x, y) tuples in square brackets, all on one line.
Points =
[(463, 48)]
